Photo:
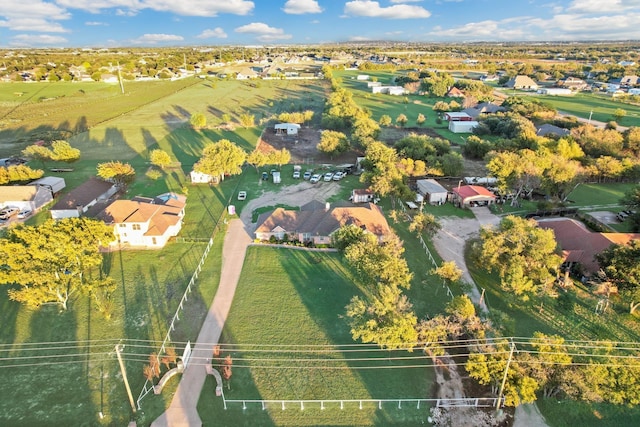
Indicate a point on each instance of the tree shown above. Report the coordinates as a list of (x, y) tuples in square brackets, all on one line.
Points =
[(424, 222), (548, 362), (19, 173), (53, 261), (346, 236), (365, 131), (381, 171), (247, 120), (257, 159), (279, 157), (619, 114), (421, 119), (160, 158), (523, 254), (621, 266), (221, 158), (385, 120), (226, 370), (62, 151), (38, 152), (119, 173), (449, 272), (333, 143), (402, 120), (385, 318), (198, 120)]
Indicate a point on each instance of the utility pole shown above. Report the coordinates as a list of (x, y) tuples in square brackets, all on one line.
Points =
[(119, 348), (590, 113), (120, 78), (504, 378)]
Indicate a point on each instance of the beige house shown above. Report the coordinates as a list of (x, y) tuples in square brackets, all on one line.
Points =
[(146, 223), (316, 222), (522, 83)]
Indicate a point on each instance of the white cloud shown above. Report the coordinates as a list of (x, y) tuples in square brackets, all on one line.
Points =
[(157, 38), (96, 24), (372, 9), (23, 40), (263, 32), (299, 7), (20, 15), (359, 39), (600, 7), (179, 7), (216, 33), (129, 12)]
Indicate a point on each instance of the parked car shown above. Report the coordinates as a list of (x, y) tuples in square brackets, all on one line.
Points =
[(296, 174), (8, 212), (328, 176), (242, 195), (314, 178), (338, 176), (307, 175), (25, 213), (265, 176)]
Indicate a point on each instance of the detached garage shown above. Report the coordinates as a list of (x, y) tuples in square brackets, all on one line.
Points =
[(432, 191), (472, 195)]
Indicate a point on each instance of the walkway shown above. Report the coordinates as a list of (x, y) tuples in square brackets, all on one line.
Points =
[(183, 411)]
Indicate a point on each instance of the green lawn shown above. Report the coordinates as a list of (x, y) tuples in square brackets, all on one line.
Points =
[(291, 297), (599, 106)]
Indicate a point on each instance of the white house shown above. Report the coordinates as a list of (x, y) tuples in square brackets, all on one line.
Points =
[(79, 200), (634, 91), (287, 128), (145, 222), (359, 195), (432, 191), (362, 77), (462, 126)]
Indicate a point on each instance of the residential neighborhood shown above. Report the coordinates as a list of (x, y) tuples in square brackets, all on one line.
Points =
[(355, 234)]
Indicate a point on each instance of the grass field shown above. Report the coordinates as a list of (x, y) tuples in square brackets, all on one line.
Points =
[(291, 297), (599, 106), (150, 283)]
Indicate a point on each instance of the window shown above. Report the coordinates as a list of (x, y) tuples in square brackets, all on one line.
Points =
[(122, 225), (136, 226), (153, 240)]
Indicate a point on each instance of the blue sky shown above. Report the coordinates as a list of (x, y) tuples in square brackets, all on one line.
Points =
[(117, 23)]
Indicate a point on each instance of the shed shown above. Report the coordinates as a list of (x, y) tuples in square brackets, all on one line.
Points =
[(55, 184), (462, 126), (432, 191), (457, 116), (287, 128), (202, 178), (360, 195), (557, 91), (472, 195)]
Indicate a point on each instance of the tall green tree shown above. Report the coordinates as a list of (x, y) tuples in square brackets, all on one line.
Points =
[(385, 318), (221, 158), (333, 143), (257, 159), (621, 264), (62, 151), (160, 158), (381, 169), (121, 174), (51, 262), (524, 255), (19, 173)]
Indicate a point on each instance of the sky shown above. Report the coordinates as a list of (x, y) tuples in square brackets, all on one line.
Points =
[(123, 23)]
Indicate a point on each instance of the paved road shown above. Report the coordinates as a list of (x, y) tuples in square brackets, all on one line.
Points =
[(183, 411)]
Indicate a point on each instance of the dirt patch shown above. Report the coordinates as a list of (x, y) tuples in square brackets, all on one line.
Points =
[(303, 147)]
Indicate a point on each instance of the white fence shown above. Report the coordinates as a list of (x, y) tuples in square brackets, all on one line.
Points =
[(475, 402), (148, 385)]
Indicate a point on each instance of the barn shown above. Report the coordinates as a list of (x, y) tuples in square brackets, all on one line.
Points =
[(287, 128), (462, 126), (432, 191)]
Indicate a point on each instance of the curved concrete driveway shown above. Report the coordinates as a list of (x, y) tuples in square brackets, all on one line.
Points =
[(183, 411)]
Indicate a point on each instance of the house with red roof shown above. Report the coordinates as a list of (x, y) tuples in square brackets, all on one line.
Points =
[(580, 245), (145, 223), (472, 195)]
